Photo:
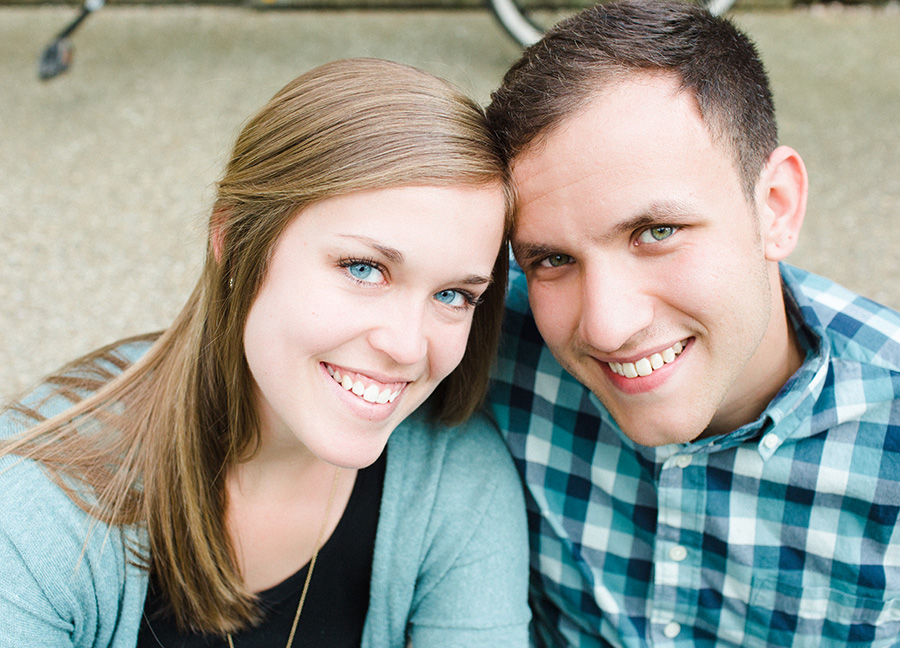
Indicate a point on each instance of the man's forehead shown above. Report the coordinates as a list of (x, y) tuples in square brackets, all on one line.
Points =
[(542, 174), (623, 95), (608, 134)]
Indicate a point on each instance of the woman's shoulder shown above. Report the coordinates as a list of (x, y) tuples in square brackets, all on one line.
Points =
[(448, 467), (40, 522), (476, 441), (61, 567), (62, 388), (451, 555), (58, 561), (35, 511)]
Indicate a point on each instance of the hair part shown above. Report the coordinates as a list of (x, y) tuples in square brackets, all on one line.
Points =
[(163, 433), (608, 43)]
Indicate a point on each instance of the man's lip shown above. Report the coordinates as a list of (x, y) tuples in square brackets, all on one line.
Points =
[(647, 365), (635, 357)]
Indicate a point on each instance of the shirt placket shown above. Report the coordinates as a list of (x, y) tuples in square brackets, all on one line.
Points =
[(677, 550)]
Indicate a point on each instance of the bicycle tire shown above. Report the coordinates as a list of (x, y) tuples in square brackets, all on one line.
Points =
[(526, 30)]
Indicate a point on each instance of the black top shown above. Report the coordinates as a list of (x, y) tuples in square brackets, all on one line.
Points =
[(337, 601)]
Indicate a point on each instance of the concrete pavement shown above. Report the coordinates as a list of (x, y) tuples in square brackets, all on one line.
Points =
[(105, 173)]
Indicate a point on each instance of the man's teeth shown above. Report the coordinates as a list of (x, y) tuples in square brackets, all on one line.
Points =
[(646, 366), (371, 394)]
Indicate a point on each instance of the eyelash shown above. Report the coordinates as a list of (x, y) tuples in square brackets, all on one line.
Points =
[(348, 262), (539, 263), (674, 229), (471, 300)]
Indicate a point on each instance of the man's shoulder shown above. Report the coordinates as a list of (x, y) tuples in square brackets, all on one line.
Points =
[(518, 319), (855, 328), (523, 354)]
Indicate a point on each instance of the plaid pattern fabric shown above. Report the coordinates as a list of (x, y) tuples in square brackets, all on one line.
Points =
[(782, 533)]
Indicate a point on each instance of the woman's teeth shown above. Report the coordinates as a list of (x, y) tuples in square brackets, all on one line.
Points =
[(646, 366), (371, 393)]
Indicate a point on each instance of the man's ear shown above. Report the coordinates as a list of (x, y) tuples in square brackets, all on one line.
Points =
[(781, 201), (217, 227)]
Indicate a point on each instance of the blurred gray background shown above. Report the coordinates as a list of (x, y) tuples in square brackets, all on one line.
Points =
[(106, 172)]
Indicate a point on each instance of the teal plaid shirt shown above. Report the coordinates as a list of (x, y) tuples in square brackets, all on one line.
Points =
[(781, 533)]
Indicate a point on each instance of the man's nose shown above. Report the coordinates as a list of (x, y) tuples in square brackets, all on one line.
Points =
[(615, 306)]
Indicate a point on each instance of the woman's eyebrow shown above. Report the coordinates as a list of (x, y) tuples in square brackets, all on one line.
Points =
[(475, 280), (394, 255)]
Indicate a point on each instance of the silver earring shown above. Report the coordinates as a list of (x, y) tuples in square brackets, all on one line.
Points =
[(231, 283)]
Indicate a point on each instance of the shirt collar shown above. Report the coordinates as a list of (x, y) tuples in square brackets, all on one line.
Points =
[(789, 414)]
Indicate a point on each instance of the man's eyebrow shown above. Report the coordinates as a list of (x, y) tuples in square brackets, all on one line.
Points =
[(668, 212), (394, 255), (527, 251), (642, 221), (658, 213)]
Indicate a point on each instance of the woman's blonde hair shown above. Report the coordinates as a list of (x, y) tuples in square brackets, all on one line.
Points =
[(152, 444)]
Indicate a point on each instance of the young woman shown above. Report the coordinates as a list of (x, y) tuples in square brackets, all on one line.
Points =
[(226, 482)]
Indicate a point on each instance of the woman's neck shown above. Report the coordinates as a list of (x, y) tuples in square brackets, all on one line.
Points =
[(276, 506)]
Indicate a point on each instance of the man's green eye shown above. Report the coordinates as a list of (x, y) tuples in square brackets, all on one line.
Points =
[(658, 233), (557, 260)]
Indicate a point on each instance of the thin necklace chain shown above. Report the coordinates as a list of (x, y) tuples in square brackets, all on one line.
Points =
[(312, 562)]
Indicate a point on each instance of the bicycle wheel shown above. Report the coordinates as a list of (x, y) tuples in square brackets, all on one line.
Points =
[(526, 25)]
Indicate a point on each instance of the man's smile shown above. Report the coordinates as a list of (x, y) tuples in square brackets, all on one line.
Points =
[(646, 366)]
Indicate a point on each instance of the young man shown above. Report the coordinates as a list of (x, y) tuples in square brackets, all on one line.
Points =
[(709, 438)]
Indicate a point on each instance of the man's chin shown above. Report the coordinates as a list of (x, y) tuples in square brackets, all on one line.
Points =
[(655, 433), (650, 421), (654, 439)]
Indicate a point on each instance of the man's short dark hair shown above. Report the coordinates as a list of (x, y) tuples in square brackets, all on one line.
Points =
[(606, 43)]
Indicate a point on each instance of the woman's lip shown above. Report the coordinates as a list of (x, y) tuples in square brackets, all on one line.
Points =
[(361, 408), (363, 386), (383, 379)]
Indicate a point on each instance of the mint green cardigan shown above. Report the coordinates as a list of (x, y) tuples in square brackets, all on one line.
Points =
[(450, 564)]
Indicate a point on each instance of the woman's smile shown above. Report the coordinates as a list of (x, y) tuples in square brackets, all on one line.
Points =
[(366, 387)]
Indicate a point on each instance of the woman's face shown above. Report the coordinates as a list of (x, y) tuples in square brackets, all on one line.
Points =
[(365, 308)]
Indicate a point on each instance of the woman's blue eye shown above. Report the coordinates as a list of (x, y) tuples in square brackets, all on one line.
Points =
[(451, 297), (365, 272), (656, 234)]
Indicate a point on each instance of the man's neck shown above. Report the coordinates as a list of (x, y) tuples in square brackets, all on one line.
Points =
[(775, 361)]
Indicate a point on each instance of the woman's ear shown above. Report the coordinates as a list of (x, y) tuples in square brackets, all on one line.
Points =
[(781, 202), (217, 231)]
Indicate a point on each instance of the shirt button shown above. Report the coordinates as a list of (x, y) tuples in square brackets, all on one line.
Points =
[(683, 461), (770, 441), (677, 553), (671, 630)]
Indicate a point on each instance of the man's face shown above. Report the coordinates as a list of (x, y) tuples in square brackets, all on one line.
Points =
[(646, 265)]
